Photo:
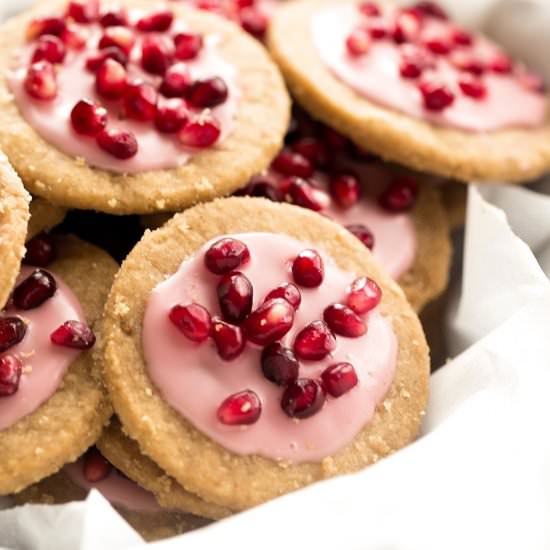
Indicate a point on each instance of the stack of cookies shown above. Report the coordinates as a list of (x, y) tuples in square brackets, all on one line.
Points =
[(262, 331)]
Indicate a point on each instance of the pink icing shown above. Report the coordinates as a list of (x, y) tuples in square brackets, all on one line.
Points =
[(44, 364), (376, 76), (194, 380)]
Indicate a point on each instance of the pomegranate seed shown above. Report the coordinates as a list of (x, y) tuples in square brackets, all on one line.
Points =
[(254, 22), (315, 341), (532, 82), (40, 250), (308, 269), (436, 96), (192, 320), (270, 322), (400, 194), (45, 25), (501, 64), (95, 61), (171, 115), (118, 143), (10, 375), (12, 331), (303, 194), (75, 37), (140, 101), (262, 188), (235, 297), (303, 398), (88, 118), (312, 149), (177, 81), (472, 87), (156, 54), (290, 163), (377, 30), (279, 364), (339, 379), (200, 132), (240, 409), (369, 9), (83, 11), (334, 140), (464, 61), (358, 42), (409, 68), (38, 287), (95, 467), (437, 44), (119, 37), (244, 3), (226, 255), (40, 81), (73, 334), (406, 26), (414, 61), (363, 233), (49, 48), (188, 45), (363, 295), (288, 292), (344, 321), (207, 93), (431, 9), (111, 79), (159, 21), (229, 339), (345, 189), (114, 16), (461, 37)]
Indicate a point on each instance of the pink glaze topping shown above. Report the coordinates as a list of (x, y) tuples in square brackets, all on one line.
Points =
[(376, 74), (194, 380), (44, 364)]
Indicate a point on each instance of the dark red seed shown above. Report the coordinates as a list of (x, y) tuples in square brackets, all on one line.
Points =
[(95, 467), (253, 21), (226, 255), (229, 339), (159, 21), (345, 189), (465, 61), (118, 143), (438, 44), (289, 163), (192, 320), (288, 292), (344, 321), (118, 37), (312, 149), (363, 233), (171, 115), (369, 9), (501, 64), (38, 287), (75, 37), (40, 250), (240, 409), (461, 37), (436, 96), (304, 194), (88, 118), (83, 11), (406, 26), (200, 132), (140, 101), (279, 364), (94, 62), (400, 194), (308, 269), (358, 42), (207, 93), (12, 331), (188, 45), (156, 54), (414, 60), (73, 334), (303, 398), (177, 81), (265, 188), (339, 379), (235, 297), (40, 81), (314, 342), (49, 48), (45, 25), (269, 322), (363, 295), (111, 79), (472, 87), (10, 375), (377, 30), (334, 140), (114, 16), (431, 9)]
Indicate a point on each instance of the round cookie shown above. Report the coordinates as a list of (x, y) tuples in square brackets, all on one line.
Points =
[(71, 420), (209, 173), (194, 460), (509, 154), (44, 217)]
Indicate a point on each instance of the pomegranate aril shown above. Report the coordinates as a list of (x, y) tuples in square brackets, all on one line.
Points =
[(226, 255), (400, 194), (288, 292), (200, 132), (308, 269), (114, 16), (192, 320), (312, 149), (465, 61), (73, 334), (363, 295), (119, 37), (188, 45), (207, 93), (472, 87), (344, 321), (229, 339), (303, 398), (111, 79), (75, 37), (156, 54), (45, 25), (234, 292), (269, 322), (40, 81), (290, 163), (431, 9), (12, 331), (240, 409), (438, 44), (461, 37), (118, 143), (38, 287), (314, 342), (436, 96), (140, 101), (339, 379), (345, 189), (279, 364), (253, 21), (10, 375), (95, 467), (363, 233), (377, 30), (369, 9), (40, 250), (358, 42), (406, 26), (95, 61), (83, 11), (177, 81), (159, 21), (304, 194), (88, 118), (259, 187), (49, 48), (171, 115), (334, 140), (501, 64)]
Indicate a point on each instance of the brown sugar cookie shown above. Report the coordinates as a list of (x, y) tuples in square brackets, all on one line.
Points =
[(44, 217), (202, 465), (61, 428), (509, 147), (156, 181)]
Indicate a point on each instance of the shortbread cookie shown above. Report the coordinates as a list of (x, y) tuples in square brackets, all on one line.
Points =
[(52, 402), (203, 423), (44, 217), (411, 86), (194, 127)]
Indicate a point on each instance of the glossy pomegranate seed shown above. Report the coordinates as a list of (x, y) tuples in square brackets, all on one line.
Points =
[(472, 87), (400, 194), (171, 115), (118, 143), (119, 37), (156, 54), (465, 61), (289, 163), (38, 287), (10, 375), (308, 269), (304, 194), (370, 9), (532, 82), (501, 64), (229, 339), (40, 81), (83, 11), (314, 342), (73, 334), (140, 101), (253, 21), (406, 26), (303, 398), (159, 21), (269, 322), (431, 9), (436, 96), (345, 189), (235, 297), (177, 81), (45, 25), (192, 320), (461, 37), (409, 68), (344, 321), (188, 45), (207, 93), (259, 187), (363, 233), (40, 250), (200, 132), (114, 16), (240, 409), (95, 61), (279, 364), (75, 37), (111, 79), (339, 379), (377, 30), (226, 255), (358, 42), (288, 292), (12, 331), (363, 295), (49, 48), (95, 467), (88, 118), (312, 149), (438, 44)]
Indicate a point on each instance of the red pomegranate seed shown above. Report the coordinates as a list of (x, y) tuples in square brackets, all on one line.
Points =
[(436, 96), (369, 9), (303, 398), (73, 334), (358, 42), (345, 189), (431, 9), (207, 93), (240, 409), (235, 297), (344, 321), (38, 287), (12, 331), (140, 101), (88, 118), (414, 60), (465, 61), (312, 149), (156, 54), (409, 68), (472, 87), (171, 115), (262, 188), (75, 37), (188, 45), (334, 140), (45, 25), (304, 194), (95, 468), (40, 250), (192, 320), (269, 322), (119, 37), (377, 30), (40, 81), (339, 379), (461, 37), (200, 132), (10, 375), (118, 143), (501, 64), (111, 79), (279, 364), (406, 26), (229, 339), (253, 21), (363, 295), (314, 342), (532, 82), (363, 233), (288, 292), (177, 81), (290, 163), (438, 44), (83, 11), (114, 16), (226, 255), (308, 269), (159, 21), (400, 194), (244, 3), (49, 48), (95, 61)]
